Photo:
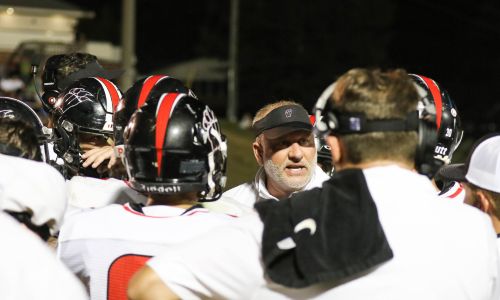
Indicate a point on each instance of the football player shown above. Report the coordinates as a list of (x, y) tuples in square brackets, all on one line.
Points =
[(175, 154), (83, 120)]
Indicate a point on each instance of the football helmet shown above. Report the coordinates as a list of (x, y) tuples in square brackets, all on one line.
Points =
[(83, 111), (437, 105), (144, 90), (324, 155), (15, 109), (173, 144)]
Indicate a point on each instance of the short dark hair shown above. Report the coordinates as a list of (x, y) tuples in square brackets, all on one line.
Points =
[(61, 66), (18, 138), (379, 95)]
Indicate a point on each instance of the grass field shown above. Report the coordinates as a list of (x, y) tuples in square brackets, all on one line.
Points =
[(241, 165)]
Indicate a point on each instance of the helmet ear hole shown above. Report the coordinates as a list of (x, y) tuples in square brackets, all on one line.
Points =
[(49, 99)]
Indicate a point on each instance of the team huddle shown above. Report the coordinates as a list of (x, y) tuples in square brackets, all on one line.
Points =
[(121, 195)]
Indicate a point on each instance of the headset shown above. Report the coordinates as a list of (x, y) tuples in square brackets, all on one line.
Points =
[(51, 86), (330, 120)]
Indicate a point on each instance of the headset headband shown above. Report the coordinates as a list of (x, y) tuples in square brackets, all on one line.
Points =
[(330, 120)]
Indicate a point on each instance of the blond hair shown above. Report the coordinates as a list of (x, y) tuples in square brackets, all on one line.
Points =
[(379, 95)]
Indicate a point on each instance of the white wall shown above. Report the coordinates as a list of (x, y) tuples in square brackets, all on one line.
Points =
[(17, 28)]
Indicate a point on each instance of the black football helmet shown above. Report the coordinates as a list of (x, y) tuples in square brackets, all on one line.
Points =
[(15, 109), (144, 90), (324, 155), (173, 144), (83, 109), (435, 104)]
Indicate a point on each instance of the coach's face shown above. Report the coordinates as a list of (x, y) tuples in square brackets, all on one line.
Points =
[(288, 161)]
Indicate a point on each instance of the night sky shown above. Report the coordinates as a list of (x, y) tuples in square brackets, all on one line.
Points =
[(294, 49)]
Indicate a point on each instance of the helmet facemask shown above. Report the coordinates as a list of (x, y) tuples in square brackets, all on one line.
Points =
[(67, 145)]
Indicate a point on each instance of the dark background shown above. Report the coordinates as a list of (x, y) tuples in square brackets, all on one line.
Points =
[(294, 49)]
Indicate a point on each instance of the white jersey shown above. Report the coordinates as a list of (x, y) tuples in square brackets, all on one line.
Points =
[(454, 192), (31, 186), (88, 192), (105, 246), (30, 270), (241, 199), (441, 251)]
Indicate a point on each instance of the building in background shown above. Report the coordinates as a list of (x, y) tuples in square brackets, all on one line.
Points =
[(33, 29)]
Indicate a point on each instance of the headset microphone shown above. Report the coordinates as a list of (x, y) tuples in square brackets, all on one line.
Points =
[(34, 72), (47, 131)]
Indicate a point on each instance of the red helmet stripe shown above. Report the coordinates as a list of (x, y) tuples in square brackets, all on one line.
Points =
[(165, 107), (312, 119), (147, 86), (114, 93), (438, 101)]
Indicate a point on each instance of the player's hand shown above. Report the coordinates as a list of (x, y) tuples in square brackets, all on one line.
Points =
[(96, 156)]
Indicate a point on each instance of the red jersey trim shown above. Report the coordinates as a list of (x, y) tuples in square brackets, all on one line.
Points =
[(195, 211), (457, 192)]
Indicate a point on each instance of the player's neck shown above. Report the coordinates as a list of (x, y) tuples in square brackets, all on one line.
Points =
[(183, 200), (375, 163), (496, 223)]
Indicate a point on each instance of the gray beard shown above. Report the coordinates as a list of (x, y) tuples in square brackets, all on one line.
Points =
[(276, 173)]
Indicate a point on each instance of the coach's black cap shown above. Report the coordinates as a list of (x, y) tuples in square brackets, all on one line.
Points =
[(283, 120)]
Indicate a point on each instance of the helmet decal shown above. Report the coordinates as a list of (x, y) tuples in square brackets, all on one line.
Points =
[(211, 134), (165, 107), (210, 128), (72, 98), (7, 113), (147, 86)]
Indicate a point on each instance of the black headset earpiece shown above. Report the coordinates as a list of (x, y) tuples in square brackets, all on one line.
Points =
[(49, 99), (50, 84), (424, 156)]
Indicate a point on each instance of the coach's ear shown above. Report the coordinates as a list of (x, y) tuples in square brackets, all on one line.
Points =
[(257, 151), (335, 148)]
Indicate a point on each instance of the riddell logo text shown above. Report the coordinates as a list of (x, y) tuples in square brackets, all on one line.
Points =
[(162, 189)]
